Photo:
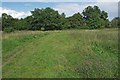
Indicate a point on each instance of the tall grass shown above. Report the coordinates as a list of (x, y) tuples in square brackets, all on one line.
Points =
[(66, 54)]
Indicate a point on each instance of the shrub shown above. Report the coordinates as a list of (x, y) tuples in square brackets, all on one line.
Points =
[(8, 30)]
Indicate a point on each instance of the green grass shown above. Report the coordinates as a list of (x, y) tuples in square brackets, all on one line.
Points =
[(0, 54), (56, 54)]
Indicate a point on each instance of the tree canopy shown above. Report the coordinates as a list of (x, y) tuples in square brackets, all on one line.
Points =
[(50, 19), (95, 18), (115, 23), (47, 18), (0, 23), (76, 20)]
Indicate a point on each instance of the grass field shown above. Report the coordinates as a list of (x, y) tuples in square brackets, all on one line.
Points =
[(56, 54)]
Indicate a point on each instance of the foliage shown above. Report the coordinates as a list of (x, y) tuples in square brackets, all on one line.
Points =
[(115, 23), (50, 19), (76, 21), (0, 23), (9, 29), (7, 21), (23, 24), (94, 17), (46, 18)]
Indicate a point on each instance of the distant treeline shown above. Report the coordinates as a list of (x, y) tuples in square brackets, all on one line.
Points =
[(50, 19)]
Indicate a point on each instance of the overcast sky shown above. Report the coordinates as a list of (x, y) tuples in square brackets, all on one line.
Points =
[(22, 8)]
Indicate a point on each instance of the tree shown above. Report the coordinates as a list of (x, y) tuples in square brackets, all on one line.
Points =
[(7, 22), (23, 24), (49, 19), (76, 21), (64, 22), (0, 23), (115, 23), (95, 18), (45, 18)]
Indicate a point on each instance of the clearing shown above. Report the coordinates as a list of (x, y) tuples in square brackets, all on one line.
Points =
[(60, 54)]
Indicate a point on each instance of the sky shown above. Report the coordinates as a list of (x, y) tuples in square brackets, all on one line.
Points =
[(21, 8), (59, 0)]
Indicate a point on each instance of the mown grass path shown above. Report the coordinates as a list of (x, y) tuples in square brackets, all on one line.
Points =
[(74, 53)]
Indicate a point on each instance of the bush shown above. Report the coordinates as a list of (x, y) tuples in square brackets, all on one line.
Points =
[(10, 29), (83, 27)]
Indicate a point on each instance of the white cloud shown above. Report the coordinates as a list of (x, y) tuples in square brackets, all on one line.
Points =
[(68, 9), (71, 8), (14, 14), (107, 0), (0, 11), (110, 7)]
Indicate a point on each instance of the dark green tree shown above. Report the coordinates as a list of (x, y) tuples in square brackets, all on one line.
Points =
[(23, 23), (76, 21), (0, 23), (64, 22), (95, 18), (7, 23), (45, 18), (49, 19)]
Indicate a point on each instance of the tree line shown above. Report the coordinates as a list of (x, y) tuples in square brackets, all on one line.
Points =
[(50, 19)]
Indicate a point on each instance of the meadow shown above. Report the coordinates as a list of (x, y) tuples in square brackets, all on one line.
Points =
[(60, 54)]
